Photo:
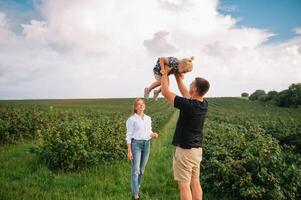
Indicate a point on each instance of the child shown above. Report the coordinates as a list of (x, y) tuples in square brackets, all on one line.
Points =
[(178, 67)]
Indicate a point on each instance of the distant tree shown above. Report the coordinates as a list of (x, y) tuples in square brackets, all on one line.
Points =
[(256, 95), (263, 97), (295, 94), (244, 94), (272, 95), (290, 97), (282, 99), (268, 97)]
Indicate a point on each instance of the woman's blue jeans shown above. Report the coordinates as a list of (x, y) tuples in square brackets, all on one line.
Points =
[(140, 151)]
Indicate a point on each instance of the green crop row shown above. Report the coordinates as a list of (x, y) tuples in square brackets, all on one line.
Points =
[(77, 134), (244, 158)]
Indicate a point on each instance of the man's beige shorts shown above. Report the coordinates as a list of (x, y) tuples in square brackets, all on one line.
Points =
[(186, 163)]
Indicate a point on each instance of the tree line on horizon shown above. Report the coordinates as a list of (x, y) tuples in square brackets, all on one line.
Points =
[(290, 97)]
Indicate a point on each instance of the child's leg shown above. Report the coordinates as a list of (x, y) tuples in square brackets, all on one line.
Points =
[(158, 91), (155, 84)]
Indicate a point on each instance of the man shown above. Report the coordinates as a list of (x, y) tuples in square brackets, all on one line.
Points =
[(188, 136)]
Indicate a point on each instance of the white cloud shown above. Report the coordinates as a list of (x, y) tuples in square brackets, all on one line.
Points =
[(86, 49), (158, 45), (176, 5), (6, 35), (297, 30)]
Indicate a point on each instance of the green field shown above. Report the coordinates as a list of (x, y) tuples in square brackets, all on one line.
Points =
[(50, 149)]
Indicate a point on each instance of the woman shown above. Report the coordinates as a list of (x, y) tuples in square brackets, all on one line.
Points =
[(139, 133)]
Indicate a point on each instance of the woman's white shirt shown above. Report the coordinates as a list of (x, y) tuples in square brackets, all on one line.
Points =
[(138, 128)]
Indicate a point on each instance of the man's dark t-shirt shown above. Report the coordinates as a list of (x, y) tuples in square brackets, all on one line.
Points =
[(189, 129)]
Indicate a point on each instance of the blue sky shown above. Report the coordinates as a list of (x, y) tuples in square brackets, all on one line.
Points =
[(19, 12), (22, 5), (278, 16)]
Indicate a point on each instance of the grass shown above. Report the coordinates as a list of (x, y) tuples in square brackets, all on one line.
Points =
[(22, 176)]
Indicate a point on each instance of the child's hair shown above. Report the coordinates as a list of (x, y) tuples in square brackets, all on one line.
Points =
[(187, 63)]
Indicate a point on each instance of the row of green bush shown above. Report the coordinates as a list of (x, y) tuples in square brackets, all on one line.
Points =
[(243, 159), (246, 163), (73, 138), (17, 124)]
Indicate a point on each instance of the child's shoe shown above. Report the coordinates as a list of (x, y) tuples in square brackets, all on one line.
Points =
[(146, 93), (156, 94)]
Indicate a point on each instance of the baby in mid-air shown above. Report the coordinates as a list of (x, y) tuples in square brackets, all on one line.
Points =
[(178, 67)]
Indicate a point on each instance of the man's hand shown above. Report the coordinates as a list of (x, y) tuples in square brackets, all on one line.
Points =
[(180, 76), (165, 70), (154, 135)]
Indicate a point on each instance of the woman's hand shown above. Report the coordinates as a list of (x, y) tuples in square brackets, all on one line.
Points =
[(130, 155), (154, 135)]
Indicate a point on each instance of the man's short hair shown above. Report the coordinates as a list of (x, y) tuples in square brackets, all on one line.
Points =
[(202, 85)]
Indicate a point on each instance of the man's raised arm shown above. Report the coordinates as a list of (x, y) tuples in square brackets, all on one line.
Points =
[(184, 91), (170, 96)]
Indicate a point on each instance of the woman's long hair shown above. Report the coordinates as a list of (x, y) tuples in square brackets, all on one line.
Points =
[(135, 104)]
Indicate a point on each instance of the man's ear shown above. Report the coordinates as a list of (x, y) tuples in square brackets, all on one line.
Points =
[(194, 89)]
